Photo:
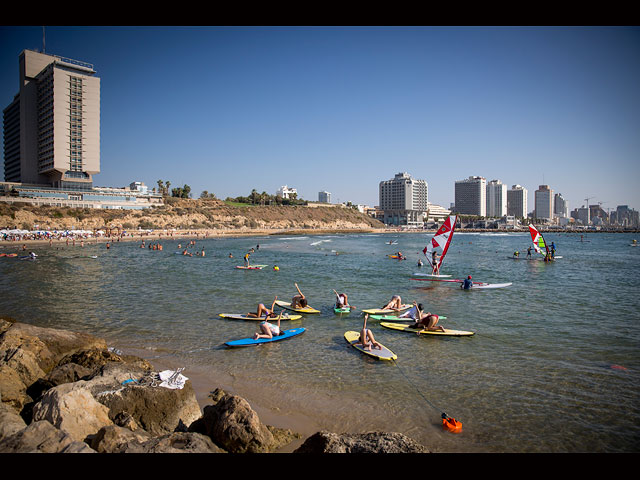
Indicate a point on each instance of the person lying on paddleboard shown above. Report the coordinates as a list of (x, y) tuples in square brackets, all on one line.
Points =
[(269, 330), (263, 311), (366, 337), (428, 321), (394, 304), (413, 313), (467, 284), (342, 301), (298, 301)]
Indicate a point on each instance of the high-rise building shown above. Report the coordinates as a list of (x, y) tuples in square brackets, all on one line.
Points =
[(560, 206), (52, 126), (544, 202), (496, 199), (404, 200), (471, 196), (517, 201), (324, 197)]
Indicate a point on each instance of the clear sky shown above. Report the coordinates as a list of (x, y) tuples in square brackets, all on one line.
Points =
[(229, 109)]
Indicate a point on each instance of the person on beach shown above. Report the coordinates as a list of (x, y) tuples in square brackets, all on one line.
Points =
[(342, 301), (263, 311), (366, 337), (467, 283), (394, 304), (269, 330)]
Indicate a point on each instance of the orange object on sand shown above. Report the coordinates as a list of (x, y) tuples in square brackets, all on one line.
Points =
[(451, 424)]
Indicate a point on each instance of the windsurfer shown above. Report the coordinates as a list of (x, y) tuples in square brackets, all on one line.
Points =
[(467, 283)]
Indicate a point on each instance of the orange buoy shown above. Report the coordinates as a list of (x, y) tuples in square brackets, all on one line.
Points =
[(451, 424)]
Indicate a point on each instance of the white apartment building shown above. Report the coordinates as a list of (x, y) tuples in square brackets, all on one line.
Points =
[(496, 199), (52, 126), (560, 206), (517, 201), (286, 192), (544, 202), (324, 197), (404, 200), (471, 196)]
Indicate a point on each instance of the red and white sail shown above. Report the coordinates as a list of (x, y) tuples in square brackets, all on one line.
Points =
[(441, 241), (538, 241)]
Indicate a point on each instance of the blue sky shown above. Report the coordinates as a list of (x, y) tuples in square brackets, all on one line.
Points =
[(229, 109)]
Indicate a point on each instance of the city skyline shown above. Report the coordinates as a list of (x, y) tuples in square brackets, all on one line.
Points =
[(339, 109)]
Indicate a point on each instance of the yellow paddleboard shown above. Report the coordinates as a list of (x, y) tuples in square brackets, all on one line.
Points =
[(380, 353), (406, 328), (388, 311), (288, 306)]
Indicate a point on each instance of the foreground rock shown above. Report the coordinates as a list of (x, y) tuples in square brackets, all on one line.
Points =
[(65, 392)]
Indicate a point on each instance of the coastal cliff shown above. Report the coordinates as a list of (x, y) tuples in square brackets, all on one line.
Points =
[(186, 214)]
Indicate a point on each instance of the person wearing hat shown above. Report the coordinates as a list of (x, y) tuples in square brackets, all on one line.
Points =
[(467, 284)]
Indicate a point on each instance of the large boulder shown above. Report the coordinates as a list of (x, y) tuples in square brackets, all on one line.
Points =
[(373, 442), (116, 439), (10, 421), (42, 437)]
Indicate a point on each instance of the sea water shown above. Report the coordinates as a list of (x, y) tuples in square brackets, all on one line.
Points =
[(553, 366)]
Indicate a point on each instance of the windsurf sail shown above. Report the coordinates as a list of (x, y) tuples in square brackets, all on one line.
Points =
[(441, 241), (538, 241)]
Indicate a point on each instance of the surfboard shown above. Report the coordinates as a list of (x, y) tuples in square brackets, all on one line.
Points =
[(288, 306), (398, 319), (250, 342), (405, 328), (397, 257), (252, 267), (379, 311), (490, 285), (240, 316), (380, 354)]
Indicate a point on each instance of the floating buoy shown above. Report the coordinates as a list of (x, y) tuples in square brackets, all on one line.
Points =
[(276, 268), (451, 424)]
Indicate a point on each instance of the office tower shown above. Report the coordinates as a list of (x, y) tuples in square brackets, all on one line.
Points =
[(324, 197), (544, 202), (404, 200), (517, 201), (52, 126), (560, 206), (496, 199), (471, 196)]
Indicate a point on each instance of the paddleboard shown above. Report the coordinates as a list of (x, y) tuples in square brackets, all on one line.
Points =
[(342, 310), (252, 267), (379, 311), (489, 285), (287, 305), (380, 354), (405, 328), (250, 342), (398, 319), (431, 275), (240, 316), (397, 257)]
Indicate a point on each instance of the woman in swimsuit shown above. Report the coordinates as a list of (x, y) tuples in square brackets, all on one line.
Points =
[(269, 330), (263, 311), (366, 337)]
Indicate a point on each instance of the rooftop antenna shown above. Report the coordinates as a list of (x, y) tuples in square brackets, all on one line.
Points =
[(43, 42)]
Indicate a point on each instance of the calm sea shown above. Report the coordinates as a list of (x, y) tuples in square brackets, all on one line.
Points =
[(554, 365)]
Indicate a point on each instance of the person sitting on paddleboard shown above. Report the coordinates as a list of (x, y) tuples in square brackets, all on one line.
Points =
[(342, 301), (298, 301), (269, 330), (467, 284), (394, 304), (366, 337), (263, 311)]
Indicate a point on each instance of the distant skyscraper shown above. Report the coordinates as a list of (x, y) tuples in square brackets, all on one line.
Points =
[(52, 126), (544, 202), (324, 197), (404, 200), (517, 201), (560, 206), (496, 199), (471, 196)]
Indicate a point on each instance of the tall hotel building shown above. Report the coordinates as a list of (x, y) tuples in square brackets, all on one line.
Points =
[(52, 126), (404, 200), (544, 202), (496, 199), (471, 196), (517, 201)]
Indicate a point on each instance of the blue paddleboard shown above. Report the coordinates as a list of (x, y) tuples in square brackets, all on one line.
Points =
[(248, 342)]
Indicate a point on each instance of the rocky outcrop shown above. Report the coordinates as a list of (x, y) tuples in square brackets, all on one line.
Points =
[(65, 392)]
